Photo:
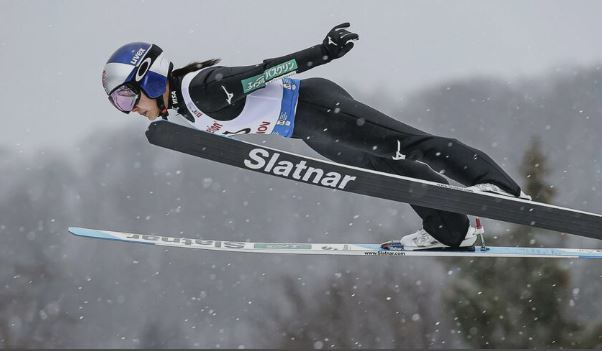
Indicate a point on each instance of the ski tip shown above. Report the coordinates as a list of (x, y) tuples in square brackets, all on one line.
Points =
[(73, 230), (90, 233)]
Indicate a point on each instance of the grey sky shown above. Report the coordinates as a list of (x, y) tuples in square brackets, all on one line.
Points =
[(52, 52)]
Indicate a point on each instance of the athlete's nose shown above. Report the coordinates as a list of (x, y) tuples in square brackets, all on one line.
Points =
[(139, 111)]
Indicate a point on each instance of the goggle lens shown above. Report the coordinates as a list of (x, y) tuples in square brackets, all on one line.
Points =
[(124, 98)]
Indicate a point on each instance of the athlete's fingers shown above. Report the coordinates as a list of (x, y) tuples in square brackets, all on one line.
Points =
[(351, 36), (340, 26), (337, 40)]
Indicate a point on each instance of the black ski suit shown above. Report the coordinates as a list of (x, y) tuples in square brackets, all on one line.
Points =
[(344, 130)]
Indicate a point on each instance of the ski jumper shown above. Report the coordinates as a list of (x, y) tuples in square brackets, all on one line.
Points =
[(257, 99)]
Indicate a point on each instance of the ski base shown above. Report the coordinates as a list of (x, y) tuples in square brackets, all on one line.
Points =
[(333, 249)]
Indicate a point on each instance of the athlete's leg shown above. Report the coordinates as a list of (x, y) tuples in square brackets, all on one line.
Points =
[(447, 227), (326, 112)]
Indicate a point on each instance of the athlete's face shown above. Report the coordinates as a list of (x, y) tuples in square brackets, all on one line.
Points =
[(147, 107)]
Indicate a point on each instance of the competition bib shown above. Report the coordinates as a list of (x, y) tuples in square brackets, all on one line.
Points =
[(270, 110)]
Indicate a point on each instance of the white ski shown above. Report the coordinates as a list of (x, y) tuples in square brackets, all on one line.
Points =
[(332, 249)]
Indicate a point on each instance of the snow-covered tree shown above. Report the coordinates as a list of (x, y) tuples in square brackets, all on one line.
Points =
[(524, 302)]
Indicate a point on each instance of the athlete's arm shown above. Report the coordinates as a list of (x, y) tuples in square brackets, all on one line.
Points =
[(337, 43), (246, 79), (221, 87)]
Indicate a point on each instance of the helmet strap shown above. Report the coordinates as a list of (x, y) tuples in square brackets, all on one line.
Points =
[(163, 110), (160, 103)]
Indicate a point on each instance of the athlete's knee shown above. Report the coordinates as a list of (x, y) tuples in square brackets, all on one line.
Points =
[(425, 172), (450, 143), (415, 169)]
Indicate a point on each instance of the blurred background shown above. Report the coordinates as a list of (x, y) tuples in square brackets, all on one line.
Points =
[(521, 80)]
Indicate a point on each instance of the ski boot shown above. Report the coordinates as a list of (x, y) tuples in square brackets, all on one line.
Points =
[(492, 188), (422, 240)]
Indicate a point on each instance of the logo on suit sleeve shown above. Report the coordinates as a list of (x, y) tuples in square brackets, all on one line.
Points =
[(229, 96)]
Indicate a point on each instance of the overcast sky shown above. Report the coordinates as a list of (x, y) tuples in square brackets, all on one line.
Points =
[(52, 52)]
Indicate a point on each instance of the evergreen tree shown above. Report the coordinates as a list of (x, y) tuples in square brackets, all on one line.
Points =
[(518, 302)]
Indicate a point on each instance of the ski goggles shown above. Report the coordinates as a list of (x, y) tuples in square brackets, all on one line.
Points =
[(125, 97)]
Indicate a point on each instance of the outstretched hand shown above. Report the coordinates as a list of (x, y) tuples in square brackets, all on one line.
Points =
[(338, 41)]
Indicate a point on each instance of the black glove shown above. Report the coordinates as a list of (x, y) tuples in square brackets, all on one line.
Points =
[(338, 41)]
